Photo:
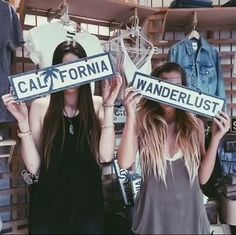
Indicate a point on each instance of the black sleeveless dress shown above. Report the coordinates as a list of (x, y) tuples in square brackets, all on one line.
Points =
[(68, 198)]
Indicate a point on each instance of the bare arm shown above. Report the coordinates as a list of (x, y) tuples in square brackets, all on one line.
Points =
[(129, 143), (30, 144), (219, 128), (29, 152), (107, 140), (106, 109)]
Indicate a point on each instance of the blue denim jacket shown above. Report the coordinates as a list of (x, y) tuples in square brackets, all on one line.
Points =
[(203, 68)]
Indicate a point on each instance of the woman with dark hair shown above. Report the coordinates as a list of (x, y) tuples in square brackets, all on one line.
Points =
[(173, 160), (64, 140)]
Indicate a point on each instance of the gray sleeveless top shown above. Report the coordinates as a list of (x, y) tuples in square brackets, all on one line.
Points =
[(175, 209)]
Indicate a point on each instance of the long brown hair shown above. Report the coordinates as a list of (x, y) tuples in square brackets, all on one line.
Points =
[(89, 128), (152, 133)]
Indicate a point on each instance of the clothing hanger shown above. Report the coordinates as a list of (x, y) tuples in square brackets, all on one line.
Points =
[(194, 33), (142, 48), (131, 35), (144, 45), (63, 10)]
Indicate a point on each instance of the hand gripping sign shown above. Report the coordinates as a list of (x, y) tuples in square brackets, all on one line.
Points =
[(38, 83), (178, 96)]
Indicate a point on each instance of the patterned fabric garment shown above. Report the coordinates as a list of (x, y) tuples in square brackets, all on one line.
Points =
[(175, 209)]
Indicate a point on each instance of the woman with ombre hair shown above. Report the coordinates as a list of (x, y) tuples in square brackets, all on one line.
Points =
[(173, 160)]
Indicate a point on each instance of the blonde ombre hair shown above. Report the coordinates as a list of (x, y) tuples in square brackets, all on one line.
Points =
[(152, 134)]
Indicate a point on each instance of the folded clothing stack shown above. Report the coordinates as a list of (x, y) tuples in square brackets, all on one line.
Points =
[(190, 3), (227, 186)]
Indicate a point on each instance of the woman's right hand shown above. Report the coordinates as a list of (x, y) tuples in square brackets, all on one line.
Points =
[(18, 110), (132, 97)]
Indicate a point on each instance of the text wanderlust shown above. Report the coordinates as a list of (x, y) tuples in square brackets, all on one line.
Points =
[(178, 96)]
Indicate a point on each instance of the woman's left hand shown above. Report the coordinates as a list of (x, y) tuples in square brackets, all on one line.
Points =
[(111, 89), (221, 125)]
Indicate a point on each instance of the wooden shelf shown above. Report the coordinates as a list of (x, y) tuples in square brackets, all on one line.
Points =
[(8, 143), (208, 19), (113, 11)]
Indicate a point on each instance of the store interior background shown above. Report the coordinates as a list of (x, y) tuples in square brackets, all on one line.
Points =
[(14, 194)]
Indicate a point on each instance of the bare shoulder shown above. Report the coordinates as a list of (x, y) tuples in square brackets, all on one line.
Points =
[(97, 102), (41, 103)]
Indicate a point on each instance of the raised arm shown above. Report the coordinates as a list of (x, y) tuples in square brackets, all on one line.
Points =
[(29, 130), (220, 126), (129, 144), (110, 91)]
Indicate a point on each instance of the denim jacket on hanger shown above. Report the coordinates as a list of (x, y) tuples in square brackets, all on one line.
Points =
[(202, 66)]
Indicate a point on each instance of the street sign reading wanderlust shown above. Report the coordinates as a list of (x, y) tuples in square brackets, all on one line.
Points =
[(38, 83), (178, 96)]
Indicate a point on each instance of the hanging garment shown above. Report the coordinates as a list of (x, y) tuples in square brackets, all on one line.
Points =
[(130, 68), (201, 63), (10, 38), (41, 42)]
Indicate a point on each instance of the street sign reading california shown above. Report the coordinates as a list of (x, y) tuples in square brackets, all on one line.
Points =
[(38, 83), (178, 96)]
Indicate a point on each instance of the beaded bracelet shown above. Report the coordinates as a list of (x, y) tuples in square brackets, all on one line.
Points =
[(22, 134)]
